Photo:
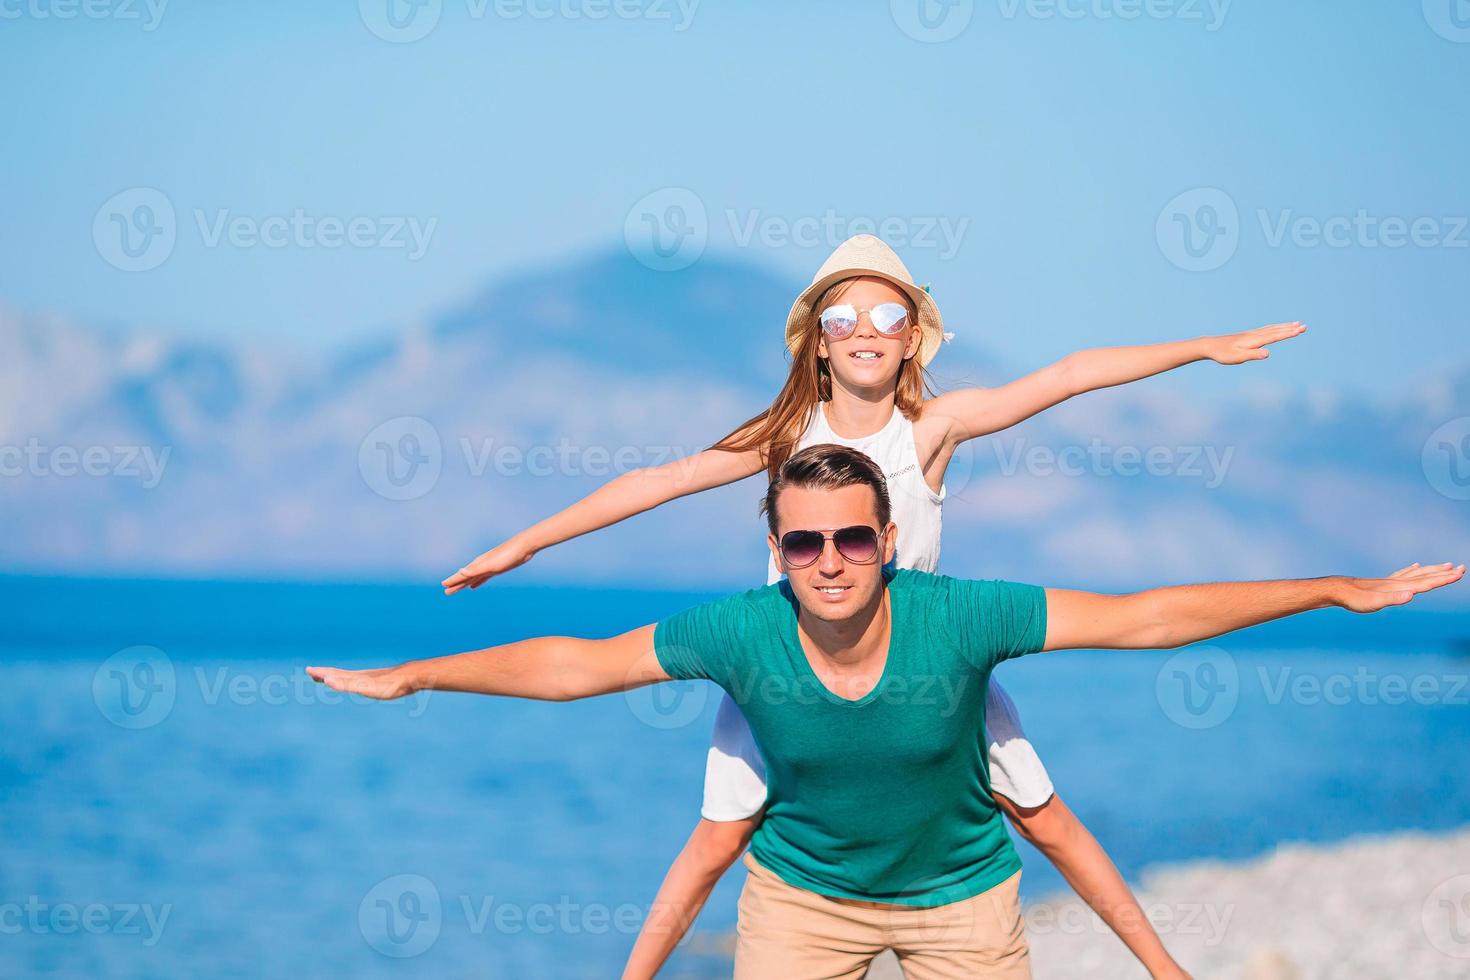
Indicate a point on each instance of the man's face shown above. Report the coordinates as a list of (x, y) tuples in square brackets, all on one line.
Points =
[(833, 588)]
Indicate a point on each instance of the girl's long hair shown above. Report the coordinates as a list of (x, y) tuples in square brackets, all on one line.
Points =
[(776, 431)]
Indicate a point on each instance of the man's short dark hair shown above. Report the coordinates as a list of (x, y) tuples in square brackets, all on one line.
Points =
[(828, 466)]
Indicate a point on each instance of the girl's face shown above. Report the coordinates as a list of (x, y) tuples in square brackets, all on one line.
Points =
[(868, 359)]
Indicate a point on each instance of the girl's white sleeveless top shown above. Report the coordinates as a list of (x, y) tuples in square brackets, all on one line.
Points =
[(734, 778), (917, 509)]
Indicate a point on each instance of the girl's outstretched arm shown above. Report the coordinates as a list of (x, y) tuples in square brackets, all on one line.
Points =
[(980, 411), (618, 499)]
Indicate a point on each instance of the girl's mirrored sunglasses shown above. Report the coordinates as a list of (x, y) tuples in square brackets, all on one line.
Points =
[(889, 319)]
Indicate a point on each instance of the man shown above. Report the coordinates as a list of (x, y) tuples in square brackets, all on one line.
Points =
[(865, 688)]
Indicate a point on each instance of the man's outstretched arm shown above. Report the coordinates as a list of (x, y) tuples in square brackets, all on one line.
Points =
[(546, 668), (1173, 617)]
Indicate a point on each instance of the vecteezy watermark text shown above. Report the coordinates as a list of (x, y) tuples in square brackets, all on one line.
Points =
[(936, 21), (1362, 686), (1205, 919), (403, 458), (138, 687), (39, 917), (941, 233), (667, 229), (137, 229), (302, 230), (149, 13), (142, 463), (1207, 463), (681, 703), (407, 21), (403, 916), (1210, 13), (1200, 687), (1201, 229)]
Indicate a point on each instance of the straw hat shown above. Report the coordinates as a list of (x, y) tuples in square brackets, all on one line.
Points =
[(868, 255)]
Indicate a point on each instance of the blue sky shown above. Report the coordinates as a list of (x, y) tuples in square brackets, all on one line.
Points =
[(1049, 139)]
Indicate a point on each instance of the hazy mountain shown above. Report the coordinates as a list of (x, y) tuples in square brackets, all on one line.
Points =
[(144, 452)]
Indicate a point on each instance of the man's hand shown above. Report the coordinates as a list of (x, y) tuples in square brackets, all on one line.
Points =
[(1366, 595), (382, 683), (1237, 348)]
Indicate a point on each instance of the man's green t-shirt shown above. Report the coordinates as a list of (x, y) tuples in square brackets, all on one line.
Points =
[(886, 798)]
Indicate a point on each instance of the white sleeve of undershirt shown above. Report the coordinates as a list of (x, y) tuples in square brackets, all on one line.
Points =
[(1016, 771), (734, 772)]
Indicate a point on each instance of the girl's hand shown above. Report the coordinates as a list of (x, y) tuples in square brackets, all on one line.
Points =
[(1237, 348), (499, 559)]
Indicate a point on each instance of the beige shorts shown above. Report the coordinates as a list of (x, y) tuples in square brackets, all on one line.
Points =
[(789, 932)]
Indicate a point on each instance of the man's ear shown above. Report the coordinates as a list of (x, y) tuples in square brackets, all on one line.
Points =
[(775, 547), (890, 542)]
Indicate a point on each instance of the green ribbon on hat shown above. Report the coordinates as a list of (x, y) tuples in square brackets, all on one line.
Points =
[(947, 335)]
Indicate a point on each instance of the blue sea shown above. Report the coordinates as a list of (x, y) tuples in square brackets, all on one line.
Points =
[(178, 800)]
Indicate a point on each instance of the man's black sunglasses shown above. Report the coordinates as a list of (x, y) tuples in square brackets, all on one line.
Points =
[(858, 543)]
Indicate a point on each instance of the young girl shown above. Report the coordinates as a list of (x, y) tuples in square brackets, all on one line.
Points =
[(860, 337)]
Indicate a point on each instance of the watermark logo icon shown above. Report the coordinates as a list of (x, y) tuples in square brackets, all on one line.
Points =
[(1445, 917), (135, 687), (669, 705), (667, 230), (961, 470), (1446, 459), (135, 230), (946, 918), (1199, 687), (401, 916), (402, 458), (932, 21), (1199, 230), (400, 21), (1450, 19)]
